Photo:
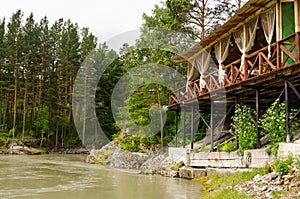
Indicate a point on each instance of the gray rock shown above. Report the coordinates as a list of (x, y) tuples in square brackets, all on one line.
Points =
[(273, 175), (264, 188)]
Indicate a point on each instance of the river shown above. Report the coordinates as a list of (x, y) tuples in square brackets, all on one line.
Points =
[(69, 177)]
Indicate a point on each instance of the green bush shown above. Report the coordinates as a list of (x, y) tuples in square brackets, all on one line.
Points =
[(273, 149), (202, 148), (3, 141), (283, 167), (131, 144), (298, 164), (273, 123), (243, 127), (228, 147), (219, 147)]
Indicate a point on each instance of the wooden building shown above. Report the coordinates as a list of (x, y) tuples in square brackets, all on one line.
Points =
[(253, 59)]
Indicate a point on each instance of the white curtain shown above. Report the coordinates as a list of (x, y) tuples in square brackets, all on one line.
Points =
[(201, 62), (244, 38), (268, 21), (221, 51), (192, 73)]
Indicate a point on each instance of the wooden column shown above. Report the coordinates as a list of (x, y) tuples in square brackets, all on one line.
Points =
[(237, 101), (183, 128), (287, 111), (297, 38), (257, 119), (212, 126), (176, 128), (192, 128)]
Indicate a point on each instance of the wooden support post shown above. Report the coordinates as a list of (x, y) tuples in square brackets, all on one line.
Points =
[(245, 69), (287, 111), (176, 128), (278, 51), (237, 101), (212, 126), (183, 128), (257, 119), (297, 47), (192, 128), (260, 65)]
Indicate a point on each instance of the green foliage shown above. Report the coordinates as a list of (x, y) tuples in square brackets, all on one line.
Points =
[(273, 149), (177, 166), (283, 167), (42, 120), (131, 144), (220, 191), (229, 147), (243, 127), (73, 141), (298, 164), (273, 123), (219, 147), (38, 65), (289, 160), (203, 147), (150, 142)]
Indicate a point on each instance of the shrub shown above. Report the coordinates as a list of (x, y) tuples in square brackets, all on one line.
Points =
[(131, 144), (298, 164), (228, 147), (273, 123), (219, 147), (273, 149), (203, 147), (283, 167), (243, 127)]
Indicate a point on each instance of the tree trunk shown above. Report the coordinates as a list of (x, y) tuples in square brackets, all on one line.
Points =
[(25, 106), (15, 100), (56, 136)]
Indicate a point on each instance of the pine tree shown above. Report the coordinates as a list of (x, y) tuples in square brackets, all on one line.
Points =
[(3, 77), (14, 49)]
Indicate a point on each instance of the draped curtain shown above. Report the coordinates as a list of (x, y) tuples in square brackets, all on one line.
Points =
[(201, 62), (192, 73), (221, 51), (244, 38), (268, 21)]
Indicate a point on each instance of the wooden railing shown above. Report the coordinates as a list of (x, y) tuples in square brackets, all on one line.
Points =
[(256, 64), (287, 51)]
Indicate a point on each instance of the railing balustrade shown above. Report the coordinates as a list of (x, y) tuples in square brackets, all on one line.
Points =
[(287, 51)]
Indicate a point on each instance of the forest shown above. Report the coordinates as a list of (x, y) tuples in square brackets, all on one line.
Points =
[(39, 61)]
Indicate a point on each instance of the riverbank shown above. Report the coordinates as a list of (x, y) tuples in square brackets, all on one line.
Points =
[(272, 181), (279, 178), (21, 148), (112, 155)]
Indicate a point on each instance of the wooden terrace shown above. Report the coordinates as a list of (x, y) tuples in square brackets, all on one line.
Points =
[(261, 73), (253, 59)]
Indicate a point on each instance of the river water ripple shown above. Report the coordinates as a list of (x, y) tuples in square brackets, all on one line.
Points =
[(69, 177)]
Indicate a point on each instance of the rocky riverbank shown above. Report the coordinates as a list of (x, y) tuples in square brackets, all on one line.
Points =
[(19, 148), (273, 185), (114, 156), (23, 148)]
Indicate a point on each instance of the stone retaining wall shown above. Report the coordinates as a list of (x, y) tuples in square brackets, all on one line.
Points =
[(251, 159)]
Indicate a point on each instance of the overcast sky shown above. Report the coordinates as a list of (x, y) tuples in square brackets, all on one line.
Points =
[(105, 18)]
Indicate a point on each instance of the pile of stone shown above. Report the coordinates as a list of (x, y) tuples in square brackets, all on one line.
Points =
[(266, 186)]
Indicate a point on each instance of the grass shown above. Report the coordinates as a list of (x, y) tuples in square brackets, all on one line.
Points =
[(222, 187)]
